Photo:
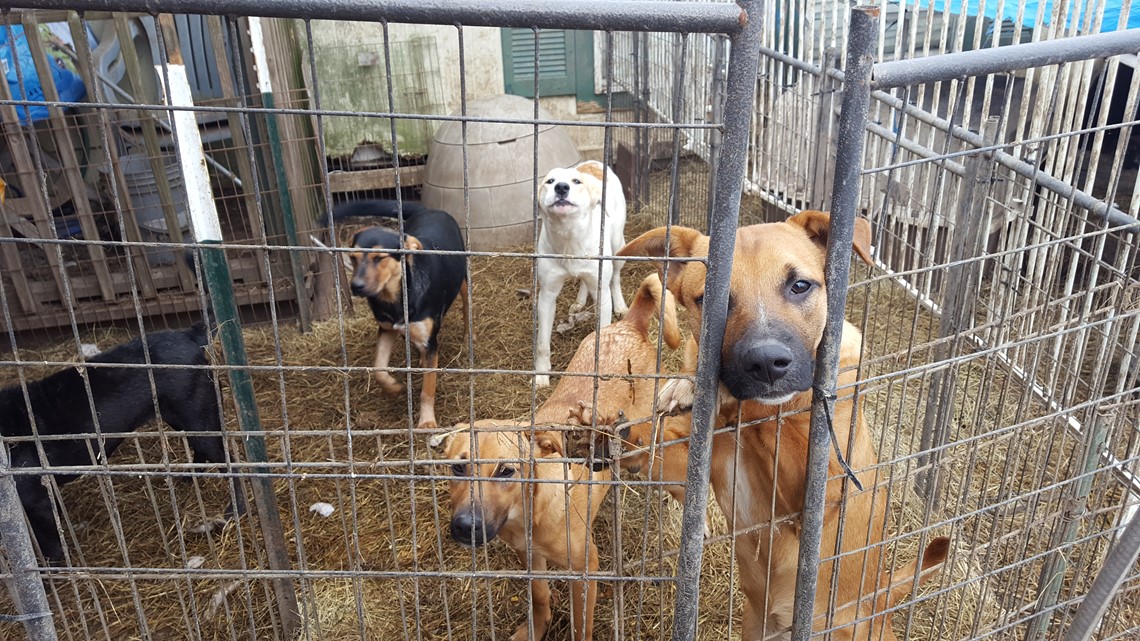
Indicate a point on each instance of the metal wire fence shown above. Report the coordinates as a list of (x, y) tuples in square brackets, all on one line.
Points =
[(998, 319)]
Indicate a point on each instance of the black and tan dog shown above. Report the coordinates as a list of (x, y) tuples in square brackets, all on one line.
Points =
[(777, 311), (123, 403), (385, 274)]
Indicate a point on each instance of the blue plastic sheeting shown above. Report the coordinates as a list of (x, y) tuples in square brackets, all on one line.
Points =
[(1081, 11), (16, 55)]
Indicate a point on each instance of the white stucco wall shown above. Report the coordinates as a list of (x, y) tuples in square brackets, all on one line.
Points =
[(440, 78)]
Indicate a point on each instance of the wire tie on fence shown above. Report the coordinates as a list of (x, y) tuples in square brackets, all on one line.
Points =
[(828, 399), (17, 618)]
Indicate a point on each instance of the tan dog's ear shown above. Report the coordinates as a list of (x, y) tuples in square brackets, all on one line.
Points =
[(818, 223), (413, 243), (548, 444), (681, 243)]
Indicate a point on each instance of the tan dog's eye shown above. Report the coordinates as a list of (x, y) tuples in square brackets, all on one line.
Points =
[(800, 287), (550, 181), (376, 260), (505, 472), (577, 182), (459, 469), (699, 300)]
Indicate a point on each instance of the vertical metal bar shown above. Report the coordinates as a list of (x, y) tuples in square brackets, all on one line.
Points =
[(717, 97), (677, 115), (1053, 573), (861, 46), (1117, 566), (970, 230), (824, 113), (741, 91), (207, 229), (17, 545), (288, 218)]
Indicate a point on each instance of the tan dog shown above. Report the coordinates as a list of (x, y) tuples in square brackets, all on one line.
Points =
[(513, 474), (492, 498), (776, 317)]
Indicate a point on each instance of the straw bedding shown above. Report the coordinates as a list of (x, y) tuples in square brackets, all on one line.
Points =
[(392, 518)]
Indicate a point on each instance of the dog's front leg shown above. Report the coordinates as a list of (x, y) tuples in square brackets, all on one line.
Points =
[(384, 343), (601, 291), (547, 300), (540, 600), (429, 359), (583, 298), (620, 308), (34, 496), (583, 594)]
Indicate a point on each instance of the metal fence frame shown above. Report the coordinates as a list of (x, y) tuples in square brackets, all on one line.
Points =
[(860, 82)]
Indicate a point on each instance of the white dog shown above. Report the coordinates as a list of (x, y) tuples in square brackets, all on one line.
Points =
[(570, 201)]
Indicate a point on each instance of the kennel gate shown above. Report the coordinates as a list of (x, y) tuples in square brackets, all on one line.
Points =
[(352, 479), (689, 17)]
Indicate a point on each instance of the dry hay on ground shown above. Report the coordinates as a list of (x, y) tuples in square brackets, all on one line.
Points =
[(390, 520)]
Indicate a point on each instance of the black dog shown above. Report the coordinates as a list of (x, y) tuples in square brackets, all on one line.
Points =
[(383, 272), (123, 401)]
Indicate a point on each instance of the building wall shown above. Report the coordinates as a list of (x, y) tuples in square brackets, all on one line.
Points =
[(425, 68)]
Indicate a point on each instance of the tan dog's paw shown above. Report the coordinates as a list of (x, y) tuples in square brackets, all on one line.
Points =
[(541, 380), (583, 414), (676, 396)]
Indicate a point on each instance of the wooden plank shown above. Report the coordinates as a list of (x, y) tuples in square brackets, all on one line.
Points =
[(72, 174), (10, 254), (368, 179), (154, 150), (29, 180), (297, 154), (99, 120), (163, 303), (244, 270), (237, 123)]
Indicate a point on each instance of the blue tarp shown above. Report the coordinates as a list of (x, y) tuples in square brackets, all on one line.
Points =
[(67, 82), (1080, 10)]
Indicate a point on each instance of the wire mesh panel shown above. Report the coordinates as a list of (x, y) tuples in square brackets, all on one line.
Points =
[(342, 521), (998, 320), (217, 265)]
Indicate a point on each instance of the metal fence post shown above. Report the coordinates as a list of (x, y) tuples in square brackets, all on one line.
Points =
[(1053, 573), (740, 93), (1117, 566), (207, 230), (825, 112), (288, 216), (16, 542), (958, 302), (716, 95), (845, 198)]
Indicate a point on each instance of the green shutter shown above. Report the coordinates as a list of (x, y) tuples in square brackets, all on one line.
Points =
[(556, 62)]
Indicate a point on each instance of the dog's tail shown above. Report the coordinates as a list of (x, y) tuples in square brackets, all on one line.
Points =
[(647, 302), (377, 209), (904, 578)]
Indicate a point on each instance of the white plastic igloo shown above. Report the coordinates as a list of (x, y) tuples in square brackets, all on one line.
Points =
[(500, 170)]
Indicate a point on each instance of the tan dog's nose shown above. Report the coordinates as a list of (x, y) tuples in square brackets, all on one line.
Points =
[(468, 527), (768, 362)]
